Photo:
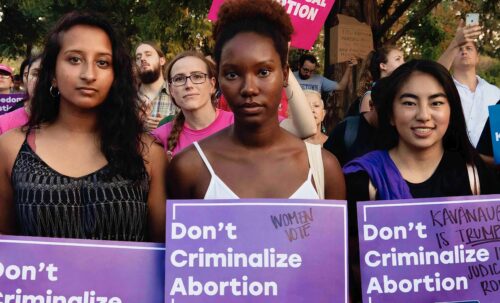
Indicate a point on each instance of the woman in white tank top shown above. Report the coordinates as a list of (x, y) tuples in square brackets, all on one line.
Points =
[(254, 158)]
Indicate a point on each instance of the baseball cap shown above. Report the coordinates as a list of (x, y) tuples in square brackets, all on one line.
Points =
[(6, 69)]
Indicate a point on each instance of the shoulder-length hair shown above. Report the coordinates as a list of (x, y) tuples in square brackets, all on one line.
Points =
[(118, 120), (455, 137)]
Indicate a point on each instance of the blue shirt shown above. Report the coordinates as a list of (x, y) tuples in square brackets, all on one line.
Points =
[(317, 83)]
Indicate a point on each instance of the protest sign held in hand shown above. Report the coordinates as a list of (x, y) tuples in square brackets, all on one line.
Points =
[(307, 16), (45, 270), (430, 250), (349, 38), (8, 100), (494, 116), (261, 250)]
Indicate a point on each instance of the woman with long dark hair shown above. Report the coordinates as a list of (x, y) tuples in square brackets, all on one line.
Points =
[(83, 166), (425, 148)]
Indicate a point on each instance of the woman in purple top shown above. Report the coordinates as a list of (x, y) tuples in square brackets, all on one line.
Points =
[(426, 151)]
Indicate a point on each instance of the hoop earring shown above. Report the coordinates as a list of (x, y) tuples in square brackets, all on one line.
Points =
[(51, 92)]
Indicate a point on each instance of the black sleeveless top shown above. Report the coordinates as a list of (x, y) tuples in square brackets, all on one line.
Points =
[(95, 206)]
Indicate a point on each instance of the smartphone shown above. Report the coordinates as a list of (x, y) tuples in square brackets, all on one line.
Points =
[(472, 19)]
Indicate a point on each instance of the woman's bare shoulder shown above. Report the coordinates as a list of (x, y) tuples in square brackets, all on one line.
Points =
[(185, 173), (334, 178), (10, 144), (11, 141)]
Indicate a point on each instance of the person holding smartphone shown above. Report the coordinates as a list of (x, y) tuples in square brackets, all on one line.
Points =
[(476, 94)]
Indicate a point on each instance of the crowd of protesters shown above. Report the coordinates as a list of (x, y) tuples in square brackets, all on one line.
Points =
[(100, 141)]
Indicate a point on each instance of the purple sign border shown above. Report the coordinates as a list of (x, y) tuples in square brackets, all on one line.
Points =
[(80, 243), (108, 247), (428, 201), (366, 205), (273, 202)]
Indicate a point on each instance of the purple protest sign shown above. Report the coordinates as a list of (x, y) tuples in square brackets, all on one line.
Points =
[(8, 100), (256, 250), (430, 250), (45, 270), (307, 16)]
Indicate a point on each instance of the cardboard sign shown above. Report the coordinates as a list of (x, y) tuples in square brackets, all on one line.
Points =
[(307, 16), (256, 251), (430, 250), (44, 270), (8, 100), (350, 38), (494, 111)]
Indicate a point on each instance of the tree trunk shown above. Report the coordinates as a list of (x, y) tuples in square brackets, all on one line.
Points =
[(29, 49), (365, 11)]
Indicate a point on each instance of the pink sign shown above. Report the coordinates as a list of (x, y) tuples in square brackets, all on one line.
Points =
[(308, 16)]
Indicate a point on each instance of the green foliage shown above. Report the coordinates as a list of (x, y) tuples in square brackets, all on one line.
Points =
[(427, 36), (177, 25), (492, 73), (437, 29), (182, 24), (22, 25)]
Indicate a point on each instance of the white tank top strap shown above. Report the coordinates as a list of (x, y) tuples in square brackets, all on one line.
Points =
[(204, 158), (316, 167)]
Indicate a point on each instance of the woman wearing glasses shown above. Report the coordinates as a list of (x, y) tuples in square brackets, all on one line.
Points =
[(192, 86), (191, 79)]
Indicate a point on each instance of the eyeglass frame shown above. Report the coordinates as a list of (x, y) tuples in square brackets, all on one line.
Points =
[(306, 70), (205, 75), (5, 76)]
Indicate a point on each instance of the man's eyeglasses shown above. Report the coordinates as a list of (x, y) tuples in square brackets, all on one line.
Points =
[(196, 78), (306, 70)]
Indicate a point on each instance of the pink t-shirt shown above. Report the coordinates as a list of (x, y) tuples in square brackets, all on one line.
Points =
[(188, 135), (14, 119)]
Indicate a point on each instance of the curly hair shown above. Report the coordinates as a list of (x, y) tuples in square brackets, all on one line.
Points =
[(265, 17), (307, 57), (118, 117), (179, 119), (386, 90)]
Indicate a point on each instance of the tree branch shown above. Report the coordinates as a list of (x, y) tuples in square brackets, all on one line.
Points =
[(413, 22), (389, 22), (385, 8)]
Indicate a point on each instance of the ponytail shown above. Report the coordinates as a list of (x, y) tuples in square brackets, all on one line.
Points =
[(173, 138)]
